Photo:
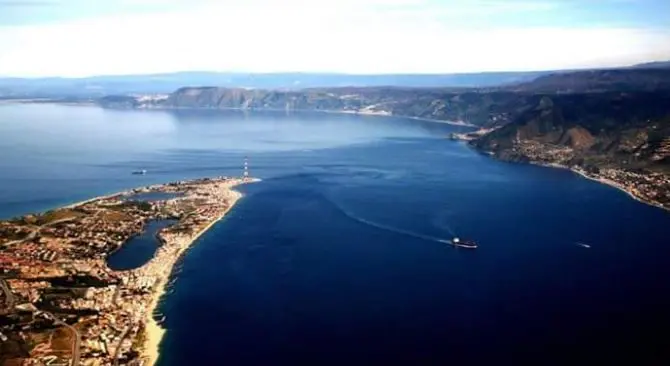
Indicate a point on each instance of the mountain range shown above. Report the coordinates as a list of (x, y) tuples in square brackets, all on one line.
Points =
[(612, 117), (607, 117), (99, 86)]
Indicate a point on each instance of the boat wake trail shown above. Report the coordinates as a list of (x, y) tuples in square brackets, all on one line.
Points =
[(583, 245), (441, 222), (390, 228)]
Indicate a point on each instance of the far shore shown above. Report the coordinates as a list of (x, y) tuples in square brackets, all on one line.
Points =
[(604, 181), (354, 112)]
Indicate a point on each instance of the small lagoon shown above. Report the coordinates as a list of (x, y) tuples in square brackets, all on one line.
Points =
[(139, 249)]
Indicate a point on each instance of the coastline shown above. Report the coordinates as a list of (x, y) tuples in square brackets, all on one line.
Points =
[(98, 198), (154, 332), (453, 123), (382, 114), (123, 329), (358, 112), (328, 111), (618, 186), (605, 181)]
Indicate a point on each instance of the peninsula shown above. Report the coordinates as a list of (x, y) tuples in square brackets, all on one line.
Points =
[(59, 301)]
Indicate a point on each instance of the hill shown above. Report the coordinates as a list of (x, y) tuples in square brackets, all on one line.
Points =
[(656, 64), (606, 129), (622, 139), (610, 123), (487, 106), (596, 81), (455, 105)]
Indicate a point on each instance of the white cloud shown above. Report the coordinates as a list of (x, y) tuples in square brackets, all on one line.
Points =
[(374, 36)]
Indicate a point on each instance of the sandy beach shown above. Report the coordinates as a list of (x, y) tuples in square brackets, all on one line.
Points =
[(73, 205), (154, 332)]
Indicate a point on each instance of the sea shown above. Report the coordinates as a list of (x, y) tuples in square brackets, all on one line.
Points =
[(337, 257)]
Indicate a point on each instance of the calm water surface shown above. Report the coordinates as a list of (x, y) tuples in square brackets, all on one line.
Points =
[(138, 249), (333, 258)]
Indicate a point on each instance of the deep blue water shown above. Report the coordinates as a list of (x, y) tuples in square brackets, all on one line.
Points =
[(330, 260), (138, 249)]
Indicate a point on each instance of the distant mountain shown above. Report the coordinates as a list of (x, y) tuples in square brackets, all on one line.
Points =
[(455, 105), (485, 106), (599, 129), (613, 122), (622, 138), (653, 65), (592, 81), (598, 118), (99, 86)]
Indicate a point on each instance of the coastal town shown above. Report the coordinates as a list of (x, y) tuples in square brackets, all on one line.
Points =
[(651, 187), (61, 303)]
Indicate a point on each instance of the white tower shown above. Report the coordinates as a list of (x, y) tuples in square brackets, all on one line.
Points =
[(246, 168)]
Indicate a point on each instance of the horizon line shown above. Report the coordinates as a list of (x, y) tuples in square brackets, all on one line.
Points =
[(242, 72)]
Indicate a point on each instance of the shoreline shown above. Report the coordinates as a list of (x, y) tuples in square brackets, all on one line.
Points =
[(98, 198), (126, 321), (153, 331), (618, 186), (604, 181), (327, 111), (344, 112)]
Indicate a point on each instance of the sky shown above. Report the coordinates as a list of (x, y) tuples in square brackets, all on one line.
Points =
[(76, 38)]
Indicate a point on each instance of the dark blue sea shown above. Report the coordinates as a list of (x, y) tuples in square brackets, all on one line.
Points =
[(335, 257)]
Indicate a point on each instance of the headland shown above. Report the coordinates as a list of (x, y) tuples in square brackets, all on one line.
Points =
[(60, 302)]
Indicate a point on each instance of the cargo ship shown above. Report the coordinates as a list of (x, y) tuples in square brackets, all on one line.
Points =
[(139, 172), (468, 244)]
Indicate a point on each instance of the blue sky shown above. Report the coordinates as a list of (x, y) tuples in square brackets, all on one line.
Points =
[(93, 37)]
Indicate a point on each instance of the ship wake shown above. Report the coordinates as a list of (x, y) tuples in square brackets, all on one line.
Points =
[(388, 228)]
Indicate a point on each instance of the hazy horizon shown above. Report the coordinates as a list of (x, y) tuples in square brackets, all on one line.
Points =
[(333, 73), (74, 38)]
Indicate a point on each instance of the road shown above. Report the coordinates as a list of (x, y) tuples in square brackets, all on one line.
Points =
[(76, 345), (8, 294), (34, 233), (28, 237), (118, 347)]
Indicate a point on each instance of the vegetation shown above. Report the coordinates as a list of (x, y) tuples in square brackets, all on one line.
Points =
[(486, 107), (57, 215), (140, 205), (609, 117), (604, 129)]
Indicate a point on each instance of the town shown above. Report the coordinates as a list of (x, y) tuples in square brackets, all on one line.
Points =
[(60, 303), (652, 187)]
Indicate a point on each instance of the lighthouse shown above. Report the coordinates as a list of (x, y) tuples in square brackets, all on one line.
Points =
[(246, 168)]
